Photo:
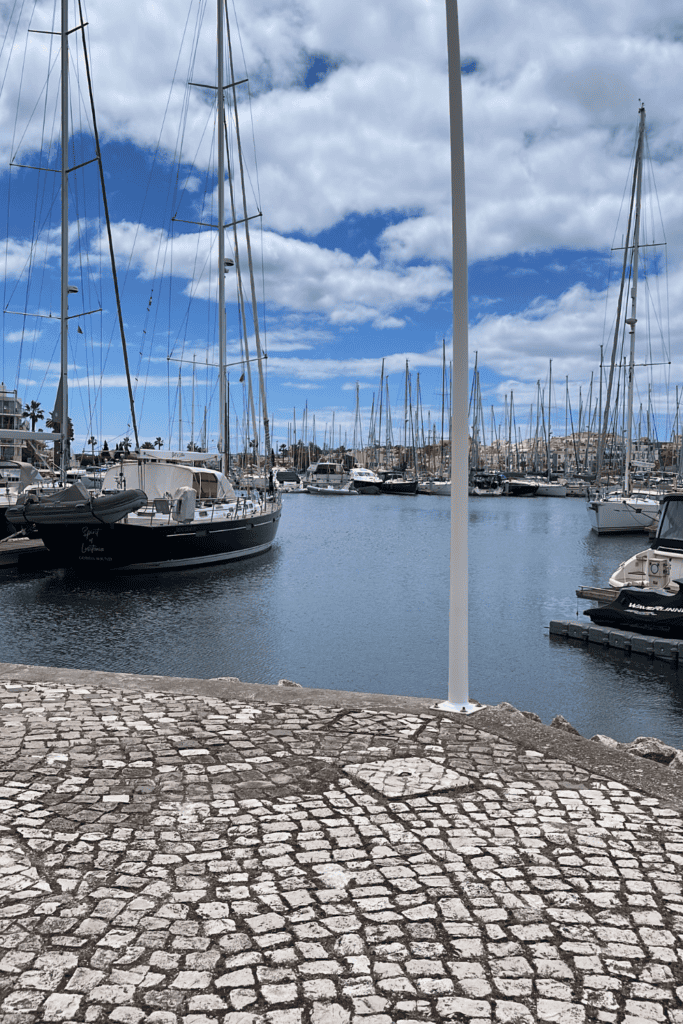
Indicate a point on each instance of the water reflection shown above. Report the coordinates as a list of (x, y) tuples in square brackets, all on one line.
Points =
[(354, 596)]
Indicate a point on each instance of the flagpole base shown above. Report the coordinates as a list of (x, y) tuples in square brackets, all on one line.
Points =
[(458, 709)]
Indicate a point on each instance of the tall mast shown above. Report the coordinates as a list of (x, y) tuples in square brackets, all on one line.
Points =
[(63, 393), (442, 399), (257, 337), (550, 416), (635, 191), (405, 417), (381, 399), (220, 116), (631, 320)]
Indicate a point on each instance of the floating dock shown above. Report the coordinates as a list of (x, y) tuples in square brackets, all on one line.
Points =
[(636, 643), (24, 553)]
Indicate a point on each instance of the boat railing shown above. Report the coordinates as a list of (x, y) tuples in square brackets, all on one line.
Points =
[(161, 509)]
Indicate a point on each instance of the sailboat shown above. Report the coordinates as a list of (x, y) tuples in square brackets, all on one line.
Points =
[(623, 509), (155, 514)]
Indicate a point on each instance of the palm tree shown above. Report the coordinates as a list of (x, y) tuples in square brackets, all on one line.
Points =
[(159, 443), (33, 412), (56, 425), (92, 441)]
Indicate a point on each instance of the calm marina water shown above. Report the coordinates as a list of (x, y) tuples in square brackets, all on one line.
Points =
[(354, 596)]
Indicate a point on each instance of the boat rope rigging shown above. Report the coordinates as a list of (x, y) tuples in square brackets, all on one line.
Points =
[(603, 435), (110, 239)]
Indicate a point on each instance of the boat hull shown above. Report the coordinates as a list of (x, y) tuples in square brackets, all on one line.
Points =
[(622, 516), (130, 547), (442, 487), (399, 487), (520, 488), (331, 491), (551, 490)]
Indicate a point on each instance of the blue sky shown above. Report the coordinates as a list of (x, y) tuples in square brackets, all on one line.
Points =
[(346, 137)]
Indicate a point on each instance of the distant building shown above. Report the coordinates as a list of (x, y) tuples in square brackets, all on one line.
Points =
[(10, 419)]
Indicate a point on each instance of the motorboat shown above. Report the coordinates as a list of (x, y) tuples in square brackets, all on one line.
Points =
[(434, 486), (289, 481), (394, 482), (486, 485), (365, 481), (660, 565), (521, 487), (324, 474), (330, 491)]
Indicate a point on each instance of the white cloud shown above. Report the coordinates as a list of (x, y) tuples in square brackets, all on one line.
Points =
[(354, 367), (299, 276), (570, 330), (31, 335), (16, 255), (550, 119)]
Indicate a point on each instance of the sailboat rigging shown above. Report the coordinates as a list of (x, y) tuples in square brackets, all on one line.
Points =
[(623, 509), (155, 513)]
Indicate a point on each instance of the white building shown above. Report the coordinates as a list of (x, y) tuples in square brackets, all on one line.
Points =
[(10, 419)]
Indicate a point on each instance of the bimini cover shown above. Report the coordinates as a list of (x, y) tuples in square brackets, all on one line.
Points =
[(156, 479), (160, 479)]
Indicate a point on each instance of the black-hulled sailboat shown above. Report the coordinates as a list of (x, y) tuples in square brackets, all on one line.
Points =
[(157, 513)]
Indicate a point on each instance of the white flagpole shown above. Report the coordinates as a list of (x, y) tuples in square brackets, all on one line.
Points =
[(458, 683)]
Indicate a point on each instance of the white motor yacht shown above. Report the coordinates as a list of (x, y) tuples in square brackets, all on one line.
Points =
[(365, 481), (661, 565)]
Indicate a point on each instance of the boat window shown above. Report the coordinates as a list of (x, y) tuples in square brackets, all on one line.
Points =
[(671, 526), (206, 485)]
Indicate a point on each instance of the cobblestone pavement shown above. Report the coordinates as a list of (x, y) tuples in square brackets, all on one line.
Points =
[(168, 857)]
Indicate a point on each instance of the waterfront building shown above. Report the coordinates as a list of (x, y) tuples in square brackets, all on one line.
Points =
[(10, 419)]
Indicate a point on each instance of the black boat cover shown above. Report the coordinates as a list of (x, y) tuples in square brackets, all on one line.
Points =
[(653, 612)]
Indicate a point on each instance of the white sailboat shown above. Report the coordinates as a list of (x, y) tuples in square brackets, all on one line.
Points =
[(158, 514), (624, 509)]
